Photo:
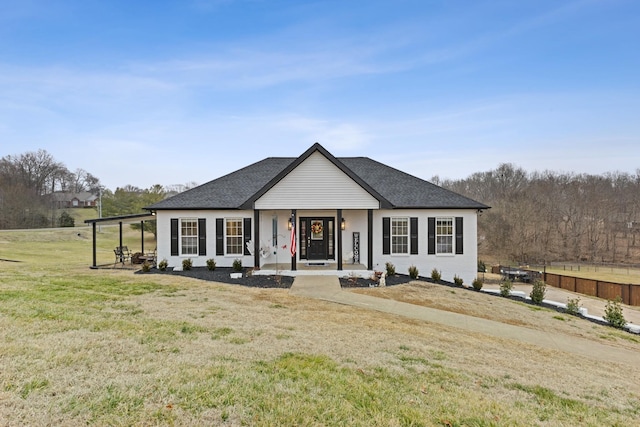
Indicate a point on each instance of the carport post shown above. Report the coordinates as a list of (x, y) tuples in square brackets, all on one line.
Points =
[(142, 236), (120, 223), (94, 245)]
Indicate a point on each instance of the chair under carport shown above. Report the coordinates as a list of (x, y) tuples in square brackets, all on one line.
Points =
[(120, 220)]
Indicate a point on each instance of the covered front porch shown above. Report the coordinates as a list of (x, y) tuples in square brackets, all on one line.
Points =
[(317, 240), (314, 269)]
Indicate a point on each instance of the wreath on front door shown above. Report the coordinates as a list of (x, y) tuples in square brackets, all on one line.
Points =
[(316, 228)]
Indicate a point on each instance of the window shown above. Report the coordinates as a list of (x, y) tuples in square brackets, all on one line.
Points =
[(234, 236), (399, 235), (189, 236), (444, 235)]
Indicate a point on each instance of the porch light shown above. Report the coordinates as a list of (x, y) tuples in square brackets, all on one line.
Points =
[(343, 225), (289, 224)]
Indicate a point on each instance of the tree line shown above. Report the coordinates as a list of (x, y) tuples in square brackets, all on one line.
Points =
[(535, 217), (29, 182), (548, 216)]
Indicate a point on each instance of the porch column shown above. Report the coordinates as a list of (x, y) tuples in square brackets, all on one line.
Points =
[(339, 229), (370, 239), (256, 238), (142, 236), (294, 238)]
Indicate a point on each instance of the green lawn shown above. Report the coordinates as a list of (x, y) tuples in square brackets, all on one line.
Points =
[(112, 347)]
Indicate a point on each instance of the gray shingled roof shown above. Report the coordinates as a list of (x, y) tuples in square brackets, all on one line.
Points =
[(406, 191), (398, 188), (229, 191)]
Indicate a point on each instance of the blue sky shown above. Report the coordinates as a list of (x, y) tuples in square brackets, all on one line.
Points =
[(170, 92)]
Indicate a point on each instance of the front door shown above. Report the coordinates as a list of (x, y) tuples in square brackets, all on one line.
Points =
[(316, 238)]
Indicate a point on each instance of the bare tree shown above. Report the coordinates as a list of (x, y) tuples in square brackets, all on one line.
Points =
[(556, 216), (27, 182)]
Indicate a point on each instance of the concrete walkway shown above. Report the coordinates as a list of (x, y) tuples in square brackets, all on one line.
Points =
[(328, 288)]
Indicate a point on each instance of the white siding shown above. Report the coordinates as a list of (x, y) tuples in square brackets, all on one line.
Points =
[(464, 266), (164, 237), (317, 184), (356, 221)]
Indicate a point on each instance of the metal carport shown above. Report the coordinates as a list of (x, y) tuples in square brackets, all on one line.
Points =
[(122, 219)]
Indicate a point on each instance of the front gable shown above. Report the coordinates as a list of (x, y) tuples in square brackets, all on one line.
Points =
[(317, 183)]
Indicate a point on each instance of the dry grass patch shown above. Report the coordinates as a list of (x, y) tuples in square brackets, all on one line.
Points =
[(604, 274), (181, 351), (109, 347)]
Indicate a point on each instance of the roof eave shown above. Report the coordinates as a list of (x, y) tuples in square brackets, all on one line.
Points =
[(480, 208)]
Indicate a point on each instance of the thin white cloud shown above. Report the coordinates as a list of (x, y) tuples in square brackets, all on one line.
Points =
[(342, 137)]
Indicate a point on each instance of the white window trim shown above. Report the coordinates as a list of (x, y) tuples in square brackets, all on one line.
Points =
[(226, 251), (453, 236), (391, 236), (180, 236)]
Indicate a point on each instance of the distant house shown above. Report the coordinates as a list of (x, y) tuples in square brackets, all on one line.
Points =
[(83, 199), (350, 214)]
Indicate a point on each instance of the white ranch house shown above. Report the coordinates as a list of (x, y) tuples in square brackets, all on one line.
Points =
[(345, 216)]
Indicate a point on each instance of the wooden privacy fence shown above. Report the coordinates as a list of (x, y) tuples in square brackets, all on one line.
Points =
[(629, 293)]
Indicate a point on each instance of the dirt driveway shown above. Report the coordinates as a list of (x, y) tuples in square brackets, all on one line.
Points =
[(413, 301)]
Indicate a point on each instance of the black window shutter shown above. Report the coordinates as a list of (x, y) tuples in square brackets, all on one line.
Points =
[(219, 236), (386, 235), (459, 236), (413, 235), (247, 234), (431, 235), (174, 237), (202, 237)]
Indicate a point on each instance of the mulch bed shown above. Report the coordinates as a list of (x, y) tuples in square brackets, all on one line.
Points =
[(353, 282), (223, 275)]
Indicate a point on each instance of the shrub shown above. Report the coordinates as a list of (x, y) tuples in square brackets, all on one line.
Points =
[(162, 265), (457, 280), (482, 267), (613, 314), (391, 269), (66, 220), (211, 264), (477, 283), (413, 272), (505, 288), (435, 275), (187, 264), (538, 291), (573, 306), (237, 265), (146, 266)]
